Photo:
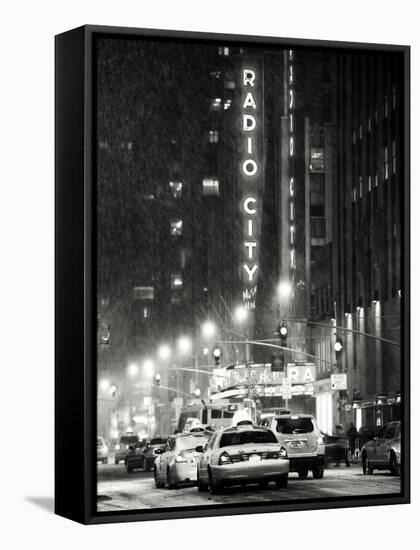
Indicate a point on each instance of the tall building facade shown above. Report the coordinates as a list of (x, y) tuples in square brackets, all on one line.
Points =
[(365, 305)]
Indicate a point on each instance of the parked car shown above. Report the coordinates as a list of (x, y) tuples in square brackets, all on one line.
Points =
[(121, 448), (102, 450), (300, 436), (134, 456), (177, 462), (243, 453), (145, 456), (383, 452)]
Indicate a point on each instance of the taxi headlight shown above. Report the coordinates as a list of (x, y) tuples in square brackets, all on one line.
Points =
[(282, 453)]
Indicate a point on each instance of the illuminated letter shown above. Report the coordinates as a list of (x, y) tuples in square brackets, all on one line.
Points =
[(251, 271), (249, 146), (249, 123), (249, 77), (250, 228), (249, 101), (249, 171), (250, 245), (247, 209)]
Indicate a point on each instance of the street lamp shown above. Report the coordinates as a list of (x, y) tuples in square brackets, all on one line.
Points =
[(208, 329), (284, 289), (148, 368), (241, 314), (184, 344), (164, 352), (133, 370)]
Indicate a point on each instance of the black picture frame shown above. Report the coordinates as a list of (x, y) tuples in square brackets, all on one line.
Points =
[(75, 288)]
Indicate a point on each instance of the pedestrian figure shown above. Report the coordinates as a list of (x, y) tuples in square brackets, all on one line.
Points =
[(351, 436), (339, 432)]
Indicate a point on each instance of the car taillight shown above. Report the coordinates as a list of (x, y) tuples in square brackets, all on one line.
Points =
[(282, 453), (224, 458), (180, 458)]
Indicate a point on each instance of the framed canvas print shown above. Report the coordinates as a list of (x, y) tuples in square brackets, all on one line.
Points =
[(232, 274)]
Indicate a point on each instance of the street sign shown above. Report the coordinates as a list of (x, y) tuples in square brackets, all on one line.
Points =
[(301, 372), (287, 388), (339, 381)]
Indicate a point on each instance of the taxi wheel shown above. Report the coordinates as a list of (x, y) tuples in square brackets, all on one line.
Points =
[(393, 465), (171, 484), (200, 486), (282, 481), (214, 487), (303, 474), (318, 472), (158, 483)]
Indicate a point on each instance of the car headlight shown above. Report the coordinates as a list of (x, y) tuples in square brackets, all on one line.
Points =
[(117, 447), (224, 458)]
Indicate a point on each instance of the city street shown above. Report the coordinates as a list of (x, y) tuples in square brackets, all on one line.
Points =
[(118, 490)]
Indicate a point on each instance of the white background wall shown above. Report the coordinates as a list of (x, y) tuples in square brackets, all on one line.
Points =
[(26, 300)]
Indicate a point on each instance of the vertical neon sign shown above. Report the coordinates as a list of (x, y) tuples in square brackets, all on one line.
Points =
[(250, 177)]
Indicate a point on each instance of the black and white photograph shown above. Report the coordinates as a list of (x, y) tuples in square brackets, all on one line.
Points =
[(250, 249)]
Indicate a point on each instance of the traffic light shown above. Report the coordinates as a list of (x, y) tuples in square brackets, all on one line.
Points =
[(157, 380), (283, 332), (338, 345), (217, 353)]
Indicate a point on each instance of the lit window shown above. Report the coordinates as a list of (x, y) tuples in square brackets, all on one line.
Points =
[(176, 228), (143, 293), (317, 159), (176, 281), (394, 157), (376, 180), (145, 313), (216, 104), (291, 99), (210, 186), (369, 183), (292, 186), (354, 137), (291, 122), (292, 211), (394, 98), (354, 194), (290, 54), (229, 84), (369, 124), (386, 163), (360, 186), (386, 106), (227, 104), (292, 234), (292, 259), (360, 131), (292, 146), (176, 189), (291, 74), (213, 136), (216, 74), (223, 50)]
